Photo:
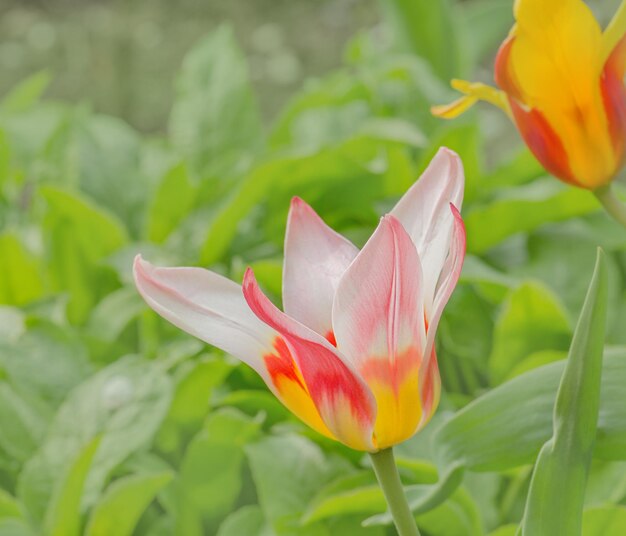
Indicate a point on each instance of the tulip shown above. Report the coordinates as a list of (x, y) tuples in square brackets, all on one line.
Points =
[(561, 81), (353, 353)]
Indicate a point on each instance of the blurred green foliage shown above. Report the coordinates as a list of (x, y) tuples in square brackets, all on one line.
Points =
[(109, 413)]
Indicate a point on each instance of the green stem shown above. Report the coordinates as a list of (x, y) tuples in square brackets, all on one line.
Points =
[(611, 203), (389, 480)]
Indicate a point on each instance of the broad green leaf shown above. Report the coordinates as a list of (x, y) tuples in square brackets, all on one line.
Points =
[(506, 427), (124, 404), (9, 507), (328, 171), (172, 201), (507, 530), (193, 392), (288, 472), (429, 30), (522, 210), (215, 122), (555, 499), (15, 527), (465, 340), (21, 278), (387, 100), (196, 382), (63, 511), (559, 254), (46, 362), (123, 503), (606, 483), (22, 425), (109, 318), (210, 475), (532, 319), (253, 402), (12, 324), (78, 236), (107, 153), (351, 494), (605, 521), (247, 520)]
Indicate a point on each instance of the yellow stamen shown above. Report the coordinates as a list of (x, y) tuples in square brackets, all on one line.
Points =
[(474, 92)]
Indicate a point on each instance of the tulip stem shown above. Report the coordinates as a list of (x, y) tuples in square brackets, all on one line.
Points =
[(389, 480), (611, 203)]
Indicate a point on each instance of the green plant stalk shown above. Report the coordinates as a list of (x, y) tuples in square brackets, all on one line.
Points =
[(613, 206), (389, 480)]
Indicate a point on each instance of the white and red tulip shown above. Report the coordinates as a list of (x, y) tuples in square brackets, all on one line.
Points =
[(353, 353)]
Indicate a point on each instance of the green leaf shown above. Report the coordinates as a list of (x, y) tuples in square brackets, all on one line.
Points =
[(288, 472), (20, 272), (247, 520), (63, 512), (429, 30), (215, 121), (210, 474), (486, 24), (522, 210), (46, 362), (191, 400), (113, 313), (605, 521), (78, 236), (172, 201), (124, 404), (532, 319), (14, 527), (9, 507), (353, 494), (26, 93), (506, 427), (555, 499), (12, 324), (123, 503), (22, 425), (107, 154)]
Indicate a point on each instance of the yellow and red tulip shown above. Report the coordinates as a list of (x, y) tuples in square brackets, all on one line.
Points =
[(353, 354), (561, 81)]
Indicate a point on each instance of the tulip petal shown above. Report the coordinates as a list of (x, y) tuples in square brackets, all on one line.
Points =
[(343, 400), (213, 308), (379, 325), (551, 64), (424, 211), (448, 279), (614, 38), (556, 55), (315, 259)]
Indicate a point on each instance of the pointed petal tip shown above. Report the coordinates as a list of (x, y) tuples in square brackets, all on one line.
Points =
[(249, 279), (141, 269), (449, 153), (299, 206)]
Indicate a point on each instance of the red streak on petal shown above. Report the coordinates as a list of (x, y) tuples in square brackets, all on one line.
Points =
[(504, 75), (428, 387), (614, 99), (281, 364), (330, 337), (543, 141), (391, 372)]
